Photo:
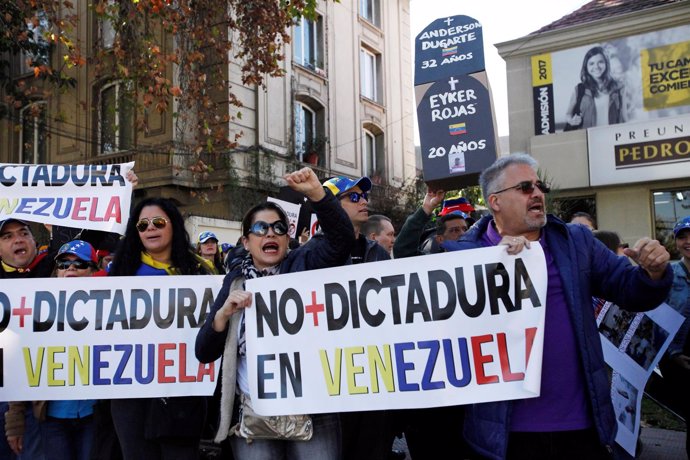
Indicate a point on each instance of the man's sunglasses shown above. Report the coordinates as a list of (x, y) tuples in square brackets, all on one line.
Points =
[(260, 228), (158, 222), (356, 196), (527, 187), (78, 264)]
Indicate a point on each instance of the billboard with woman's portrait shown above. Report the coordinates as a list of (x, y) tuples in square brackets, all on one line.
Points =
[(633, 78)]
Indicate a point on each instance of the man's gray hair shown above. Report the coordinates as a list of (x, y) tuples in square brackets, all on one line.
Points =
[(491, 178)]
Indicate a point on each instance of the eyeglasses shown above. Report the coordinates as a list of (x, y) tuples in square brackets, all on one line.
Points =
[(356, 196), (260, 228), (78, 264), (527, 187), (457, 229), (158, 222)]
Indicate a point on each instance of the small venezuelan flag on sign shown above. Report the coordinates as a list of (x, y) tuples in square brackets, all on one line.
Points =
[(449, 51), (457, 129)]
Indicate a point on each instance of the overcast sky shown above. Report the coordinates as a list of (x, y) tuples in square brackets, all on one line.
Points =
[(502, 20)]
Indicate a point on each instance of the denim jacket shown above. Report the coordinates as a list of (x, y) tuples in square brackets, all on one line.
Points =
[(679, 299)]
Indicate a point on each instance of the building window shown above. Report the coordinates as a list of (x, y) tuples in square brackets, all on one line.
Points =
[(670, 206), (308, 43), (32, 140), (370, 75), (370, 10), (106, 28), (374, 159), (305, 129), (115, 119), (37, 51), (310, 139)]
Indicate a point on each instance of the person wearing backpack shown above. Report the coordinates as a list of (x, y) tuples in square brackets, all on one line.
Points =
[(598, 100)]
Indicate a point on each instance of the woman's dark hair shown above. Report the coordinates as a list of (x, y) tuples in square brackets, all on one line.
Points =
[(587, 79), (267, 206), (610, 239), (128, 255)]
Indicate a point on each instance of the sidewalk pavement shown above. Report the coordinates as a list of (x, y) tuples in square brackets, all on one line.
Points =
[(658, 444)]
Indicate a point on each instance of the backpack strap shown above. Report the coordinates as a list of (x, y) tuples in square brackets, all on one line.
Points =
[(580, 94)]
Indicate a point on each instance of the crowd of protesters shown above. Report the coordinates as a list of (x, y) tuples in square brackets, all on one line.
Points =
[(573, 417)]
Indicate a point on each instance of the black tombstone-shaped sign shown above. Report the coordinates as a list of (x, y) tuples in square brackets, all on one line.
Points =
[(454, 110), (448, 46), (456, 132)]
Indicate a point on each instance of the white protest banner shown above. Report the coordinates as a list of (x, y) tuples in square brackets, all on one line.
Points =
[(94, 197), (292, 211), (633, 345), (314, 226), (104, 337), (444, 329)]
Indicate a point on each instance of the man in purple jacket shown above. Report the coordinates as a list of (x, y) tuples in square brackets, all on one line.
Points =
[(573, 416)]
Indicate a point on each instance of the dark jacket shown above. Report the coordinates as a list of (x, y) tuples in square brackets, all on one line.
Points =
[(587, 268), (588, 108), (374, 252), (41, 267), (331, 250), (407, 242)]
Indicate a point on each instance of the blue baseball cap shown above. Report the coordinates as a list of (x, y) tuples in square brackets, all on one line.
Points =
[(341, 184), (225, 247), (205, 236), (80, 248), (682, 224)]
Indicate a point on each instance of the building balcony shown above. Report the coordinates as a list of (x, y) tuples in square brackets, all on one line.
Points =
[(161, 168)]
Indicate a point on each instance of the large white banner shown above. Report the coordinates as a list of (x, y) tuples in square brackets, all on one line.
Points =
[(444, 329), (104, 337), (94, 197)]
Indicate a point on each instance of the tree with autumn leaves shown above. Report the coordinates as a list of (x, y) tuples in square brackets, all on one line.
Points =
[(201, 36)]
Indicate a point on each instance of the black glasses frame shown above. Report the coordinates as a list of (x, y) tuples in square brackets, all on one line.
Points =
[(260, 228), (527, 187), (144, 222), (78, 264), (356, 196)]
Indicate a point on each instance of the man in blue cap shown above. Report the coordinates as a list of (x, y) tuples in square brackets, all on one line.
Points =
[(368, 434), (675, 367), (354, 198)]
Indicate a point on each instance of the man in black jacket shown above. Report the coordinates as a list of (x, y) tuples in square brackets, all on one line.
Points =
[(370, 434)]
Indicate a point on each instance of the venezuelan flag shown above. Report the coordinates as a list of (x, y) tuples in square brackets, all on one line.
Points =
[(457, 129), (449, 51)]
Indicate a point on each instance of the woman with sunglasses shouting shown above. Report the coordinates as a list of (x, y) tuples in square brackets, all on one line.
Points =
[(156, 243), (264, 230)]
